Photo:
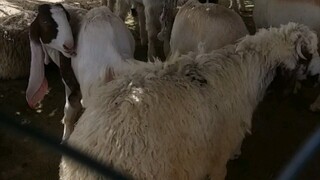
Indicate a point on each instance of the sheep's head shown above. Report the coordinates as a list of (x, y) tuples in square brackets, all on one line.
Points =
[(50, 28), (305, 62)]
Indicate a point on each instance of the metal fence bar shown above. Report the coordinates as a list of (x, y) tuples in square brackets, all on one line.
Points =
[(63, 149), (300, 159)]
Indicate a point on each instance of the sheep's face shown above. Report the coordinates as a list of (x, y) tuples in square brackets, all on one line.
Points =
[(306, 66), (52, 28)]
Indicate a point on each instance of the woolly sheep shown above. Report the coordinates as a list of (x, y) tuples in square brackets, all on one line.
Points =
[(194, 21), (211, 24), (15, 51), (276, 12), (186, 118)]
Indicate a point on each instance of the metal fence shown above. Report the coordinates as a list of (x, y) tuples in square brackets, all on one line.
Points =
[(290, 172)]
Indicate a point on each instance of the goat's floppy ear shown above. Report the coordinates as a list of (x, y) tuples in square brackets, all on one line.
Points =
[(37, 85)]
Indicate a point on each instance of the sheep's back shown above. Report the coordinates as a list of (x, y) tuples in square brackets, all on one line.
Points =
[(150, 128)]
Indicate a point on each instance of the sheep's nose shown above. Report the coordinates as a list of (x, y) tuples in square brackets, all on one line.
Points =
[(311, 81), (67, 47)]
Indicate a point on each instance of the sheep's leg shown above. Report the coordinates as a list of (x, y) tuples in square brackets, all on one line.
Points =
[(238, 6), (142, 24), (166, 21), (123, 8), (104, 2), (316, 105), (71, 116), (231, 4), (153, 27), (241, 6), (109, 3)]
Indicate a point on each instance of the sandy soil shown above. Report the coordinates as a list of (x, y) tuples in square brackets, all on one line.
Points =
[(279, 129)]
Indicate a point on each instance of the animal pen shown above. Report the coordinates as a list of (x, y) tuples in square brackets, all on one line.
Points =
[(282, 144)]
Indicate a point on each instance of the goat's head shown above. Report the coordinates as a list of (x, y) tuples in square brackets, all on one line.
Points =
[(305, 62), (50, 28)]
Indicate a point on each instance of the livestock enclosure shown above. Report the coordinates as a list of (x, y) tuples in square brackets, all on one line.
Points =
[(280, 127)]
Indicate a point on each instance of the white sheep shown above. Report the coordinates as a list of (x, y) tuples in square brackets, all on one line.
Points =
[(103, 43), (14, 50), (277, 12), (211, 24), (185, 119), (194, 21)]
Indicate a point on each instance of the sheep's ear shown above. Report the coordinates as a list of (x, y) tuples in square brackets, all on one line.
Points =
[(37, 85)]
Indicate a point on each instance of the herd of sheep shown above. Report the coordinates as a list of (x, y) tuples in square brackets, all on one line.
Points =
[(182, 117)]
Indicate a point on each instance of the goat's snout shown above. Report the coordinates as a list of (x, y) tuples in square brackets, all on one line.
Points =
[(69, 49)]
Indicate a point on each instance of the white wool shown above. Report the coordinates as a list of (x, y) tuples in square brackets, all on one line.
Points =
[(15, 50), (212, 25), (186, 118)]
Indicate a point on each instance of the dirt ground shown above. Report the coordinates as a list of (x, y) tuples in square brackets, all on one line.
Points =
[(279, 129)]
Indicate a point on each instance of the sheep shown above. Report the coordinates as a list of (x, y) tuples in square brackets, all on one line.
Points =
[(224, 26), (276, 12), (185, 118), (14, 51), (211, 24)]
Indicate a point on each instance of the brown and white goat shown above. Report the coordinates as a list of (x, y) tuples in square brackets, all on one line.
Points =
[(51, 37)]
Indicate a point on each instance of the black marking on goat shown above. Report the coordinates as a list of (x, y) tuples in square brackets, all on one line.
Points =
[(70, 79), (47, 27), (44, 27)]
